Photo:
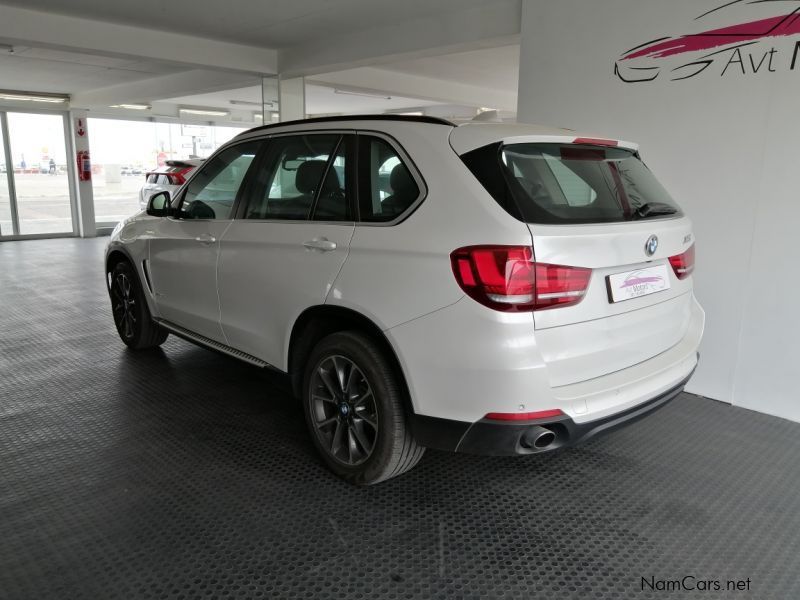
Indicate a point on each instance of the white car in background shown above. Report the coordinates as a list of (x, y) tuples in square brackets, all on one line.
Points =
[(168, 178), (486, 288)]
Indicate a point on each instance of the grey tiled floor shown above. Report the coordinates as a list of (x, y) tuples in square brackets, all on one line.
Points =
[(181, 473)]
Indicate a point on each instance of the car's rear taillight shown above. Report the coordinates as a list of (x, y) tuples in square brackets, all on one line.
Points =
[(506, 278), (683, 264), (179, 177)]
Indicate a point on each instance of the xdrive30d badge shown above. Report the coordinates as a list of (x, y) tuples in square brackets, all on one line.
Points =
[(477, 288)]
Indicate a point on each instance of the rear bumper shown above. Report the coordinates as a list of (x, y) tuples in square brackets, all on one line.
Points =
[(498, 438)]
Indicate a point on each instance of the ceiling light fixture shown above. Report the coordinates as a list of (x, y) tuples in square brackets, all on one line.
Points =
[(248, 103), (204, 113), (28, 97), (132, 106), (365, 94)]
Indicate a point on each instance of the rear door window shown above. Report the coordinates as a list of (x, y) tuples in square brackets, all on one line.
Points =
[(570, 183), (301, 170)]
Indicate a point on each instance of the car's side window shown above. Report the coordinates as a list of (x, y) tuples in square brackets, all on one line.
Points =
[(333, 203), (387, 187), (303, 174), (212, 192)]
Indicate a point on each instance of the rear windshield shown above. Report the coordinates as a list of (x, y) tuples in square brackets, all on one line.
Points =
[(570, 183)]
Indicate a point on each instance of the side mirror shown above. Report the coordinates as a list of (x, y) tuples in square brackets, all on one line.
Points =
[(159, 205)]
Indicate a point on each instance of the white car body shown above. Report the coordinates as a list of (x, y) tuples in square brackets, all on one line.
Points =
[(242, 286)]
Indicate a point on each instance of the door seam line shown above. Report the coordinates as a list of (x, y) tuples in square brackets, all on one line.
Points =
[(216, 283), (339, 272)]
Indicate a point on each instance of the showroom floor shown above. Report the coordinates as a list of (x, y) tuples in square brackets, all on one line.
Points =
[(185, 474)]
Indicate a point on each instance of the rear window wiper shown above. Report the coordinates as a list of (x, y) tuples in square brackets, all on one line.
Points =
[(653, 210)]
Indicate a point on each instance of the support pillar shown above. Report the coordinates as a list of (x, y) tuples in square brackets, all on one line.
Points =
[(84, 193), (292, 98)]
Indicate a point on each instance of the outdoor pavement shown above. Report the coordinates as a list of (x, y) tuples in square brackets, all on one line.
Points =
[(43, 202)]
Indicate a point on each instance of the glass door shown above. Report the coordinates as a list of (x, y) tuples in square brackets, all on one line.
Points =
[(35, 191), (41, 185)]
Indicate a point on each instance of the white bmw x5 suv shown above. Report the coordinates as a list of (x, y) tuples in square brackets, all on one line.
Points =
[(486, 288)]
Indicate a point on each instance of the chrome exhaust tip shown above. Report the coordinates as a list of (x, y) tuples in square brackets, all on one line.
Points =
[(538, 438)]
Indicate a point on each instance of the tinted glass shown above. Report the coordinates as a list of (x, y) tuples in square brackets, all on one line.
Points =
[(212, 193), (387, 187), (570, 183), (297, 173), (332, 202)]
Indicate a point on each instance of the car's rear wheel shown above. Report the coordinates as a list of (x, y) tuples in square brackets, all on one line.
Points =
[(132, 318), (354, 409)]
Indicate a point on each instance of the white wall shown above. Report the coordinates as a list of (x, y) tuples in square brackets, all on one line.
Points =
[(727, 147)]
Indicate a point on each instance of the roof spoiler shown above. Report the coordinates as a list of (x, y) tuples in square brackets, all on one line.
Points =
[(181, 163)]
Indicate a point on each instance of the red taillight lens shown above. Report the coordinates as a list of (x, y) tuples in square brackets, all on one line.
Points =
[(557, 285), (683, 264), (506, 278), (179, 178), (529, 416)]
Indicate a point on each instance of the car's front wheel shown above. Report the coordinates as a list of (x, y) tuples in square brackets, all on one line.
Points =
[(354, 409), (131, 316)]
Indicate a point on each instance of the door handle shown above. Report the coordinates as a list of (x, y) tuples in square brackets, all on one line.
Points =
[(205, 239), (322, 244)]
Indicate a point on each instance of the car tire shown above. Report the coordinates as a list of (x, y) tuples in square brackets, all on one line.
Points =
[(132, 318), (353, 403)]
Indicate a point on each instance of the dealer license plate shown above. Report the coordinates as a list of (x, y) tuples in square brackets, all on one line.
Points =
[(634, 284)]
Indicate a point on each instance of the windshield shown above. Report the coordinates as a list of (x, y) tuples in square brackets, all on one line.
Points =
[(571, 183)]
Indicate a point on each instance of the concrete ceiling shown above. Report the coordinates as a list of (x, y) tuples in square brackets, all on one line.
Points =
[(274, 24), (459, 53), (319, 100), (496, 68), (57, 71)]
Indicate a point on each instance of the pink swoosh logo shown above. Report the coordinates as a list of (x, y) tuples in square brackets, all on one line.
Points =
[(640, 280), (772, 27)]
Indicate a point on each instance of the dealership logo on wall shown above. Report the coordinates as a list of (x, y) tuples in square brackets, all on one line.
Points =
[(743, 37)]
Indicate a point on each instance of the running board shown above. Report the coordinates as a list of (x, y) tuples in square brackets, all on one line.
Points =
[(212, 344)]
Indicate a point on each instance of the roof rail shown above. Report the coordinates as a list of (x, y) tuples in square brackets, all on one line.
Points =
[(389, 117)]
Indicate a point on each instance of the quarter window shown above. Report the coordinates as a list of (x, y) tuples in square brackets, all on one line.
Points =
[(212, 192), (388, 188)]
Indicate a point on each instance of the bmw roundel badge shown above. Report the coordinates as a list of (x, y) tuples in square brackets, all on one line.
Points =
[(651, 245)]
